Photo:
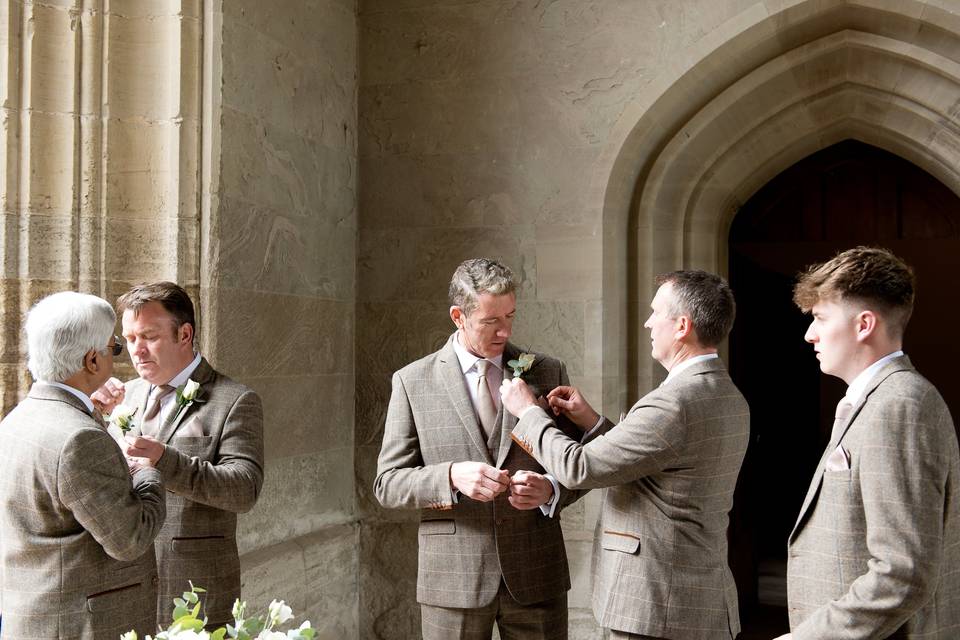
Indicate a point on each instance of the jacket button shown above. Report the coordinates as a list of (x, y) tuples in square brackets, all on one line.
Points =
[(155, 581)]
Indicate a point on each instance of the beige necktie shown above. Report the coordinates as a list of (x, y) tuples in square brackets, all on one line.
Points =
[(151, 418), (840, 417), (486, 409)]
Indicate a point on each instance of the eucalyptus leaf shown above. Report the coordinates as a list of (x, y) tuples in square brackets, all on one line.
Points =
[(218, 634)]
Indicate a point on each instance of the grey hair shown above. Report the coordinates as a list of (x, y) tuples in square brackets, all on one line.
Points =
[(478, 276), (61, 329), (706, 299)]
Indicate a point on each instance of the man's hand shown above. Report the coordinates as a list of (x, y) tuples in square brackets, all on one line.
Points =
[(145, 447), (570, 402), (109, 395), (516, 396), (529, 490), (135, 464), (478, 481)]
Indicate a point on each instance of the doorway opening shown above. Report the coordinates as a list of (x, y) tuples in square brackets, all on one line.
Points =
[(845, 195)]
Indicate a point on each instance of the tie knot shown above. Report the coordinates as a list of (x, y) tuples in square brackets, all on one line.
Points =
[(843, 409), (482, 366), (163, 390)]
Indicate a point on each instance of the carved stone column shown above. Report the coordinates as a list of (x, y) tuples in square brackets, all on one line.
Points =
[(100, 162)]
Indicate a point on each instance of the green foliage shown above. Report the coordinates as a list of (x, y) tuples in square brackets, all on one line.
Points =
[(188, 623)]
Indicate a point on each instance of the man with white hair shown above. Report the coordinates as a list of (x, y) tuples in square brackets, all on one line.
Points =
[(77, 521)]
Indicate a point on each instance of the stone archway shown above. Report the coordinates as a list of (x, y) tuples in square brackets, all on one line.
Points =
[(769, 87)]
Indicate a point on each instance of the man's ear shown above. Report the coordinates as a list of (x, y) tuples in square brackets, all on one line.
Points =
[(91, 361), (186, 333), (458, 316), (867, 324), (684, 328)]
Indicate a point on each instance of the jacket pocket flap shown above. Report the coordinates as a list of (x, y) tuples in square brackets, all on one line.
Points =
[(434, 527), (200, 545), (620, 541), (110, 599)]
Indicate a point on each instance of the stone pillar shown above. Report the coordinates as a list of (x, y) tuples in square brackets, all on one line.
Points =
[(100, 132)]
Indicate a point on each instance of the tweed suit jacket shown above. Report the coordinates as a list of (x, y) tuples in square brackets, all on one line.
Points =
[(76, 530), (876, 549), (213, 470), (466, 547), (660, 550)]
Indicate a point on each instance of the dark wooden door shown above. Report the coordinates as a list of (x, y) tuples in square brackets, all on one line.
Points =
[(846, 195)]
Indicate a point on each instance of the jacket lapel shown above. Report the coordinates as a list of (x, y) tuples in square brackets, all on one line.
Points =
[(203, 375), (507, 420), (897, 364), (452, 379)]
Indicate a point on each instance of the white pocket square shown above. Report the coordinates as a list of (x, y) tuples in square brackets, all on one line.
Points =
[(191, 429), (839, 460)]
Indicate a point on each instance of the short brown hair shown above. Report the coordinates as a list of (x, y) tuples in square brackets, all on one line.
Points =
[(706, 299), (869, 275), (171, 296)]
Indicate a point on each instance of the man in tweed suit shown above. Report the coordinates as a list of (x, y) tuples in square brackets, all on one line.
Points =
[(77, 523), (660, 550), (491, 548), (875, 552), (207, 446)]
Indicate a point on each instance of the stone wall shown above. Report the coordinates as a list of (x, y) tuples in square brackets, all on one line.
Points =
[(283, 230)]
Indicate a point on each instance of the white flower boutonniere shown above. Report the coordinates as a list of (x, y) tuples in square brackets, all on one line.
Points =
[(187, 393), (522, 364), (122, 416)]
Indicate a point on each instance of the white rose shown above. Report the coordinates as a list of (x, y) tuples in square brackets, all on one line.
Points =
[(190, 390), (280, 612), (266, 634), (122, 411)]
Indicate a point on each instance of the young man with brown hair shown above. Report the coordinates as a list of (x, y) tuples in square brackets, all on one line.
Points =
[(875, 552)]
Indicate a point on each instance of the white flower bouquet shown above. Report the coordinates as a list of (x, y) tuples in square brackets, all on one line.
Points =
[(189, 625)]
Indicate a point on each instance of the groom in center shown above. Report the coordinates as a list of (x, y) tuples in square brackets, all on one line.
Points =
[(491, 549)]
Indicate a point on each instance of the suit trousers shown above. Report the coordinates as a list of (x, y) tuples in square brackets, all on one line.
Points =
[(546, 620)]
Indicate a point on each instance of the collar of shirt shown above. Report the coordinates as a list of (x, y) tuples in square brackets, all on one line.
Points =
[(181, 378), (689, 362), (80, 394), (859, 384), (467, 360)]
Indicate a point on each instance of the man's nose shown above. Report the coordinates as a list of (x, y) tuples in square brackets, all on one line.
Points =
[(810, 336)]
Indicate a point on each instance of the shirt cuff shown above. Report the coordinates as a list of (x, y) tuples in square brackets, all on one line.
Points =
[(587, 435), (454, 495), (550, 506)]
